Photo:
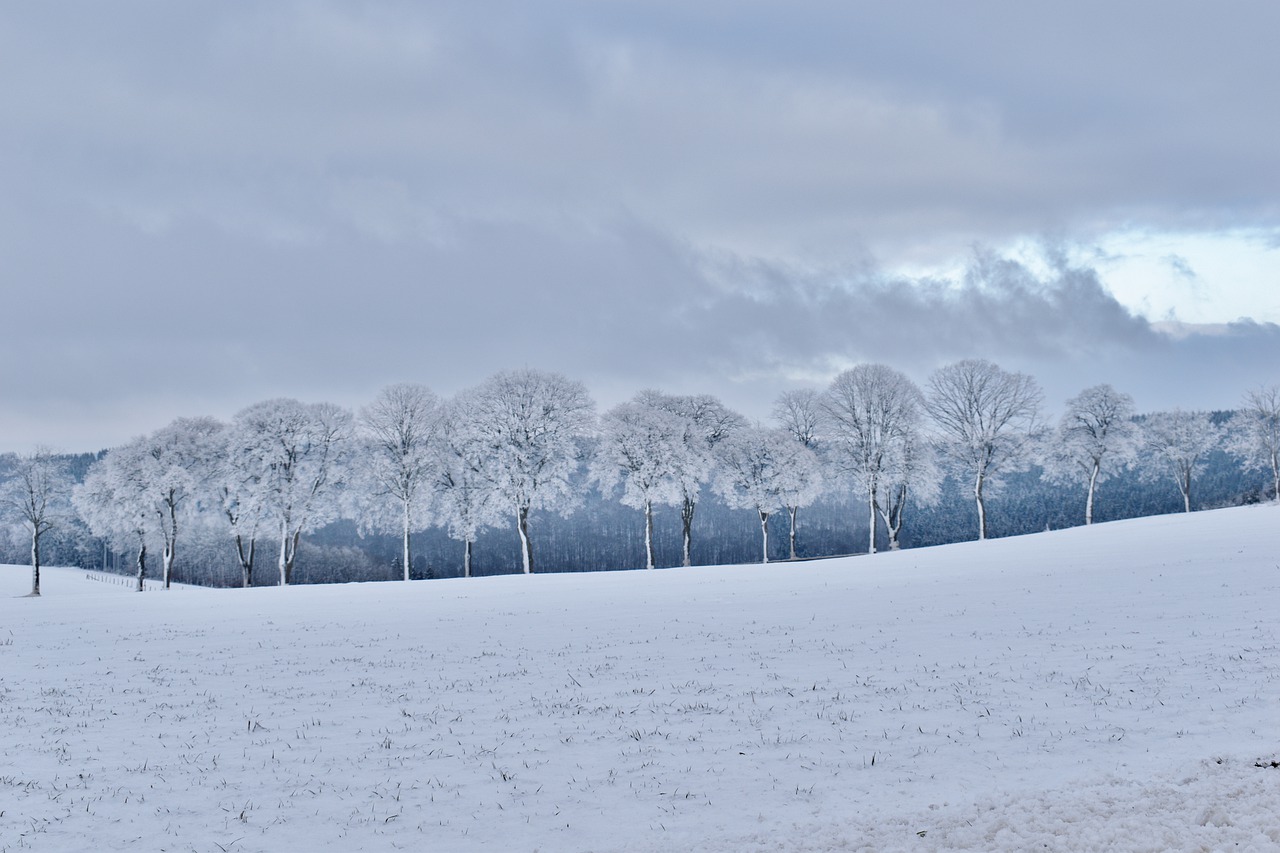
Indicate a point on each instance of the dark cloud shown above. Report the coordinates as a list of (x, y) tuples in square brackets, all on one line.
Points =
[(1057, 322), (801, 126), (205, 204), (198, 321)]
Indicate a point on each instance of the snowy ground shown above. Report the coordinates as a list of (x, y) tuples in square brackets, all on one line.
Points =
[(1110, 688)]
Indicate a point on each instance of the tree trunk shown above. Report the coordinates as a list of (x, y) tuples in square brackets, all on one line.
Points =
[(792, 511), (35, 560), (408, 559), (872, 507), (293, 556), (1184, 486), (1093, 486), (288, 553), (142, 564), (466, 559), (1275, 476), (526, 547), (167, 563), (764, 533), (978, 483), (686, 522), (283, 562), (170, 545), (648, 534), (246, 563), (892, 530), (892, 515)]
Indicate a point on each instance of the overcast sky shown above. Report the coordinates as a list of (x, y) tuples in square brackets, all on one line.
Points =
[(205, 204)]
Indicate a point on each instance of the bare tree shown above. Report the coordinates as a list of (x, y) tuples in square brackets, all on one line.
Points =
[(1255, 434), (298, 454), (37, 495), (466, 495), (799, 412), (398, 429), (988, 420), (181, 459), (712, 422), (866, 414), (644, 449), (116, 500), (1096, 437), (533, 425), (236, 489), (800, 484), (910, 477), (1177, 443), (148, 487), (757, 469)]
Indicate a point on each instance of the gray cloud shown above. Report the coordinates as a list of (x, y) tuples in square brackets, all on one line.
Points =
[(205, 204), (799, 126), (201, 321)]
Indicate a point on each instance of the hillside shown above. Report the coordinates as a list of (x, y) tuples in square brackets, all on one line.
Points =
[(1091, 688)]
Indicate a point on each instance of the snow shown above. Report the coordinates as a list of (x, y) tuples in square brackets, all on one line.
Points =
[(1109, 687)]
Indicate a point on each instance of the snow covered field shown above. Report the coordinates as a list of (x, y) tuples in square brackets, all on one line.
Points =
[(1089, 689)]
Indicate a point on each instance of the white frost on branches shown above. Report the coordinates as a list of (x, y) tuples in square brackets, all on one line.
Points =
[(393, 493), (1177, 443), (712, 422), (145, 490), (532, 425), (646, 450), (1096, 438), (1255, 434), (37, 496), (466, 498), (763, 469), (988, 422), (295, 455), (870, 414)]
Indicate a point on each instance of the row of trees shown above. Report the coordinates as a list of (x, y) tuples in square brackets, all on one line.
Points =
[(526, 441)]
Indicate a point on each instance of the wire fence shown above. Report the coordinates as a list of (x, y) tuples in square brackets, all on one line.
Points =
[(130, 581)]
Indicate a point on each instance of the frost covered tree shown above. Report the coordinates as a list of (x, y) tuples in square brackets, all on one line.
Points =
[(158, 476), (1255, 434), (116, 501), (910, 477), (799, 412), (1095, 438), (182, 456), (465, 494), (712, 422), (397, 430), (867, 413), (800, 485), (532, 425), (757, 468), (36, 495), (988, 422), (297, 454), (1176, 444), (236, 489), (644, 449)]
